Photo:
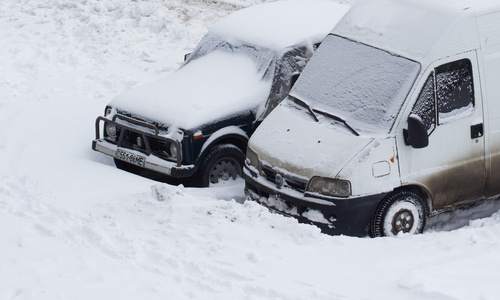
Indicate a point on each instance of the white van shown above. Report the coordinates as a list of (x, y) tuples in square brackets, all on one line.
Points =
[(395, 118)]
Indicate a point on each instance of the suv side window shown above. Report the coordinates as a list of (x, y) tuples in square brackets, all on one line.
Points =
[(449, 90), (286, 73)]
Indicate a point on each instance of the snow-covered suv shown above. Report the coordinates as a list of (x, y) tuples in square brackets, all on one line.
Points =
[(195, 124)]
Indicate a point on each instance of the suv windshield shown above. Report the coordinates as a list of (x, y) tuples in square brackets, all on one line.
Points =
[(362, 85), (211, 42)]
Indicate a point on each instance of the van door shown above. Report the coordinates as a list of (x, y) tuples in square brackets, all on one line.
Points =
[(452, 166), (491, 63)]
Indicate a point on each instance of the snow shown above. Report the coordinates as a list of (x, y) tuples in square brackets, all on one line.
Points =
[(396, 26), (210, 88), (281, 24), (74, 227), (351, 88), (231, 70), (317, 154)]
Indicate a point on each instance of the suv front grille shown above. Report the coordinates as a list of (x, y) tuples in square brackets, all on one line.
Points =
[(138, 141)]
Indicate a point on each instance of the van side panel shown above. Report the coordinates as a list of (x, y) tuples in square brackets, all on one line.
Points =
[(452, 167), (489, 32)]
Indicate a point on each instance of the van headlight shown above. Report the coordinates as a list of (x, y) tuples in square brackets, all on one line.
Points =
[(252, 158), (329, 187)]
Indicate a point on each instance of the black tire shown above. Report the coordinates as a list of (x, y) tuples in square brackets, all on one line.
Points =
[(402, 211), (222, 163), (123, 165)]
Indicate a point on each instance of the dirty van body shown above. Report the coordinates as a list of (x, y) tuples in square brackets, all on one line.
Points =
[(193, 126), (407, 127)]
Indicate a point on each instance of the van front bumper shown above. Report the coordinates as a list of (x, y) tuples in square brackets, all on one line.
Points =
[(340, 216)]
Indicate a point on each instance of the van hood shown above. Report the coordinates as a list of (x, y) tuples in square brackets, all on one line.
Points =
[(210, 88), (290, 139)]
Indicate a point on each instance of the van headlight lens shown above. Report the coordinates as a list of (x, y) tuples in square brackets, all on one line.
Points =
[(329, 187), (252, 158)]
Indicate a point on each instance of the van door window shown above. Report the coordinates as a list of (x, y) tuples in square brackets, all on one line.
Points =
[(451, 84), (454, 91)]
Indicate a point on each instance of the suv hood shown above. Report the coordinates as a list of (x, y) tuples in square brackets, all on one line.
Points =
[(207, 89), (291, 140)]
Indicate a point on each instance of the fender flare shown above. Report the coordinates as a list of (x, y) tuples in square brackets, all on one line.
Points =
[(226, 135)]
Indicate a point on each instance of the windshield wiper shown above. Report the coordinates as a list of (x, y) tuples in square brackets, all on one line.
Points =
[(305, 105), (313, 112), (336, 118)]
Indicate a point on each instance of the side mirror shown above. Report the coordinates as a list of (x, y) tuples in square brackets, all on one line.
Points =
[(417, 132), (186, 56)]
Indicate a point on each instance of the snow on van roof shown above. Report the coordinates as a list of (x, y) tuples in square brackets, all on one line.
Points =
[(281, 24), (417, 29)]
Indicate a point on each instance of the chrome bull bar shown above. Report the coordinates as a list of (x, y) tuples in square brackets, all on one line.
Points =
[(145, 135)]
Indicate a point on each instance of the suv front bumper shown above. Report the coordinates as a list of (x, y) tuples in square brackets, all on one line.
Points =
[(146, 133), (346, 216), (151, 162)]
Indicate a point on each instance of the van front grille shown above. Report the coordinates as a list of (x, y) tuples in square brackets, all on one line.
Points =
[(293, 183)]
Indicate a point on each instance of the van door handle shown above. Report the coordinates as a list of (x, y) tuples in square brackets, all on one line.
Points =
[(476, 131)]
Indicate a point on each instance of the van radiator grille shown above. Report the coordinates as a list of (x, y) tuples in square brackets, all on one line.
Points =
[(293, 183)]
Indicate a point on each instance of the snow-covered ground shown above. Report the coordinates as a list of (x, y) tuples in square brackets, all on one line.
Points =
[(74, 227)]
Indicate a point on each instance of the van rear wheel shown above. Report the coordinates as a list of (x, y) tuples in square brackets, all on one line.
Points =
[(401, 212)]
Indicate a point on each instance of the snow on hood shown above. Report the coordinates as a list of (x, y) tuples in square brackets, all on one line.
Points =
[(413, 28), (212, 87), (302, 146), (281, 24)]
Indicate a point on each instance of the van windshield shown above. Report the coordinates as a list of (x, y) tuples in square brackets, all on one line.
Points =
[(362, 85)]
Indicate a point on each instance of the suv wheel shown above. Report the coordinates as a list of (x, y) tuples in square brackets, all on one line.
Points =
[(223, 163)]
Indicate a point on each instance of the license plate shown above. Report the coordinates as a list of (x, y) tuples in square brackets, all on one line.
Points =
[(130, 157)]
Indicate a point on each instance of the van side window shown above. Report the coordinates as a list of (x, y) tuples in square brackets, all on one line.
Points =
[(451, 84), (425, 107), (454, 91)]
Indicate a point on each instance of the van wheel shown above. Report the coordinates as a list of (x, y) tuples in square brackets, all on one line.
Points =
[(223, 163), (400, 212)]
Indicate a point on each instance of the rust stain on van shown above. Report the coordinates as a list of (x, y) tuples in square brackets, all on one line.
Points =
[(492, 187), (453, 187)]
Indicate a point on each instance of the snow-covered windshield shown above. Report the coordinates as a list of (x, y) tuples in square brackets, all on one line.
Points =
[(359, 84), (212, 42)]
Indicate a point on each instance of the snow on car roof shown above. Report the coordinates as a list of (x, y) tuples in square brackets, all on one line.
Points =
[(281, 24), (417, 29)]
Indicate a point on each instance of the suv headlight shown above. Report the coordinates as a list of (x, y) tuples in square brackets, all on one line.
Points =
[(173, 150), (111, 130), (329, 187), (252, 158)]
